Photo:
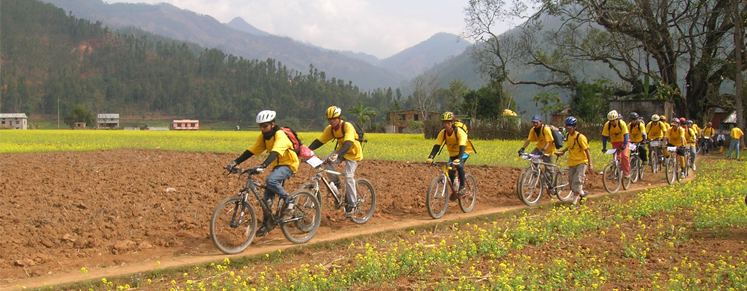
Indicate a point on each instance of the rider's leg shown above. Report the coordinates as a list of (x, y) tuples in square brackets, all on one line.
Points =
[(624, 156), (460, 172), (577, 176), (273, 182), (351, 196), (643, 154)]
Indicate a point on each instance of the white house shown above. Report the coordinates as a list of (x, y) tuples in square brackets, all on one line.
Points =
[(108, 120), (14, 120)]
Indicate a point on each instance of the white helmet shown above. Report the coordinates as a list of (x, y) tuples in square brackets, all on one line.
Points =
[(265, 116), (612, 115)]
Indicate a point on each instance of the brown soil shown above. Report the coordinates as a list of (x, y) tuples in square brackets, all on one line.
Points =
[(118, 212)]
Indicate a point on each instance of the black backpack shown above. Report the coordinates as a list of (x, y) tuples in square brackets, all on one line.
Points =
[(556, 135), (358, 130)]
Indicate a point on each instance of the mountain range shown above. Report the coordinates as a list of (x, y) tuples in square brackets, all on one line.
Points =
[(240, 38)]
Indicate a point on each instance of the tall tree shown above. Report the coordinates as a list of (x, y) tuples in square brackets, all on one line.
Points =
[(363, 115)]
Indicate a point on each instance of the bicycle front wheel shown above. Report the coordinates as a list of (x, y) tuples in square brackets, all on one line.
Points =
[(468, 199), (562, 185), (611, 179), (366, 201), (635, 168), (233, 225), (436, 200), (304, 220), (671, 169), (529, 189)]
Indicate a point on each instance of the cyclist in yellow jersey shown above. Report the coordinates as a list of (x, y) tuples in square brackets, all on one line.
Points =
[(676, 137), (545, 142), (579, 157), (691, 137), (638, 135), (282, 162), (667, 126), (709, 135), (348, 150), (616, 131), (457, 145), (736, 136)]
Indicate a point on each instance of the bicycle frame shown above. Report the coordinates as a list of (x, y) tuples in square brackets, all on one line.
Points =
[(320, 177), (446, 166), (252, 186), (535, 165)]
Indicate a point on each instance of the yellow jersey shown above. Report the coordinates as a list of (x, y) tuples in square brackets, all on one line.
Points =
[(356, 152), (675, 136), (636, 132), (545, 136), (577, 146), (457, 138), (656, 130), (615, 133), (280, 144), (736, 133), (692, 136), (709, 131)]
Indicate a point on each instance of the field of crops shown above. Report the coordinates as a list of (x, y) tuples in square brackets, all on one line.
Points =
[(398, 147)]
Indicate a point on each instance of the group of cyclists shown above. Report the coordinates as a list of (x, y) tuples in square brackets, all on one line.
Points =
[(283, 161)]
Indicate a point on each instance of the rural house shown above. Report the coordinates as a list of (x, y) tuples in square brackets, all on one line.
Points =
[(185, 124), (14, 120), (107, 121), (396, 122)]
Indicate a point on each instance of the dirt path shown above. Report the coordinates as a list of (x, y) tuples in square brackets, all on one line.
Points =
[(122, 211)]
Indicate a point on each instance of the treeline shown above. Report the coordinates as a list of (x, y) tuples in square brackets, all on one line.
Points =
[(51, 59)]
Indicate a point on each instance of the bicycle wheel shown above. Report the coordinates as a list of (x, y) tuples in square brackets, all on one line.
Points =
[(468, 200), (654, 161), (437, 201), (530, 190), (635, 168), (233, 225), (366, 201), (671, 170), (625, 182), (611, 178), (680, 174), (304, 220), (562, 186), (308, 186)]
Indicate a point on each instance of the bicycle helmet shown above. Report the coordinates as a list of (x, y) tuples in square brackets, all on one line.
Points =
[(682, 120), (571, 121), (655, 117), (689, 122), (447, 116), (333, 112), (265, 116), (675, 120), (633, 116), (664, 118), (612, 115)]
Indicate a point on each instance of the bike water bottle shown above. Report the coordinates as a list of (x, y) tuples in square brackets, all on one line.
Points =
[(456, 183), (333, 187)]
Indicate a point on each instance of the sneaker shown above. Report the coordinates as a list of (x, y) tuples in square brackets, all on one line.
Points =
[(576, 199), (263, 230), (288, 210), (626, 176), (348, 212), (584, 193), (462, 191)]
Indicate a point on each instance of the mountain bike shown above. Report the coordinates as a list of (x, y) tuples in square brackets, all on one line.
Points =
[(437, 199), (636, 165), (534, 180), (365, 203), (706, 145), (613, 176), (673, 169), (657, 157), (234, 221)]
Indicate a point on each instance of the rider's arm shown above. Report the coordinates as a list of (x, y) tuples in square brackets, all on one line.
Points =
[(626, 138), (315, 144), (246, 155), (271, 158), (588, 157), (461, 152), (604, 141), (434, 151), (345, 148)]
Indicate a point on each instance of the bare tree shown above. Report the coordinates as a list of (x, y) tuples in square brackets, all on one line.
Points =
[(425, 89)]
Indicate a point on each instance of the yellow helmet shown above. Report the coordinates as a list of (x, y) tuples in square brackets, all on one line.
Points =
[(333, 112), (447, 116)]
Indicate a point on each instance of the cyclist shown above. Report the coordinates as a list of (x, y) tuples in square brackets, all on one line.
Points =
[(545, 142), (638, 135), (691, 137), (667, 126), (348, 150), (708, 136), (655, 130), (579, 158), (676, 137), (457, 145), (282, 161), (736, 135), (616, 131)]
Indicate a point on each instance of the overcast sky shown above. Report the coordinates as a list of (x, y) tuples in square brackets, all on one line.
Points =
[(377, 27)]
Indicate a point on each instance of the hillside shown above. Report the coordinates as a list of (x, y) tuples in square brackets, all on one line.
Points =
[(417, 59)]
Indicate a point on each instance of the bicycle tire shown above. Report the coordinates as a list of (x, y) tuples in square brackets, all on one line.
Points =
[(519, 182), (366, 201), (654, 161), (308, 186), (437, 200), (228, 239), (635, 168), (625, 182), (671, 170), (611, 178), (530, 190), (469, 199), (562, 185), (680, 173), (304, 220)]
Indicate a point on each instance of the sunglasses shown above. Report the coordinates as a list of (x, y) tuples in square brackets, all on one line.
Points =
[(263, 125)]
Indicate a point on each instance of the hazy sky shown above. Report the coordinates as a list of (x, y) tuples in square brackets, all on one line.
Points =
[(377, 27)]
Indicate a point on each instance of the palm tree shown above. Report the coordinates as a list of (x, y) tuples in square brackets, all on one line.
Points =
[(362, 115)]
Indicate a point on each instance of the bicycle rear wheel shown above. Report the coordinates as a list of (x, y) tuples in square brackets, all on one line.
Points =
[(467, 201), (562, 185), (611, 178), (436, 200), (233, 225), (366, 201), (529, 188), (304, 220)]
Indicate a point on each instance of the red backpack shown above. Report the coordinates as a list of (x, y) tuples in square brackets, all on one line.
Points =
[(293, 138)]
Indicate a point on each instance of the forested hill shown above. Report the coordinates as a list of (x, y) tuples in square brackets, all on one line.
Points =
[(50, 57)]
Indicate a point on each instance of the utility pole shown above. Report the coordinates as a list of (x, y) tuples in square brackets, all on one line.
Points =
[(739, 46)]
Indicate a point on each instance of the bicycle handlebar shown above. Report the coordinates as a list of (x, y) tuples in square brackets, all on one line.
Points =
[(240, 171)]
